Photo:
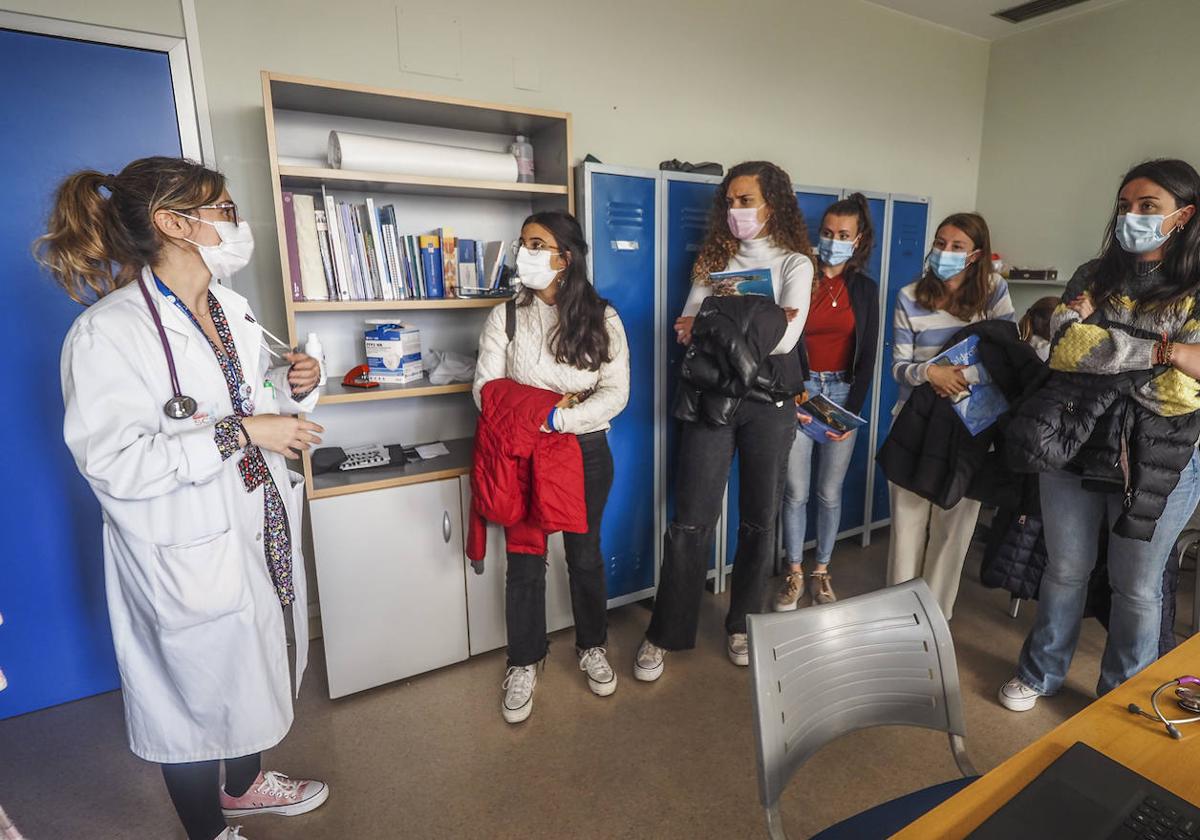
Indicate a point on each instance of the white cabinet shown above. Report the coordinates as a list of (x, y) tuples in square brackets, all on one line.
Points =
[(485, 593), (390, 571)]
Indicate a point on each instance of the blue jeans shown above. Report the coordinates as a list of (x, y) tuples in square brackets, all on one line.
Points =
[(832, 464), (1135, 570)]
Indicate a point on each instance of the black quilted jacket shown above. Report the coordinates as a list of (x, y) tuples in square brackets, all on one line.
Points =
[(1090, 424), (730, 360), (929, 450)]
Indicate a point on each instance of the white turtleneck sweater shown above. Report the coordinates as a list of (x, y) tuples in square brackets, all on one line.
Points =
[(791, 278), (528, 359)]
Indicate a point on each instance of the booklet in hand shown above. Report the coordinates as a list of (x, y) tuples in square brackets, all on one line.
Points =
[(827, 416), (751, 281), (981, 404)]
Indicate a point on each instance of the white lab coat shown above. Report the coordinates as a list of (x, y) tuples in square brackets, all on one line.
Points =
[(196, 623)]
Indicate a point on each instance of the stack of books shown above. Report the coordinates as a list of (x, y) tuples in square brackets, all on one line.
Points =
[(340, 250)]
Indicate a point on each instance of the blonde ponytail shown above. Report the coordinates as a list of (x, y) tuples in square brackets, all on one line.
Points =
[(95, 244)]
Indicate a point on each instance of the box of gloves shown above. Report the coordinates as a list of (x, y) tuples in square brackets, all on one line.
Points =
[(393, 352)]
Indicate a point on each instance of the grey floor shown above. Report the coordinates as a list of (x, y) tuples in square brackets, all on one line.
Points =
[(431, 757)]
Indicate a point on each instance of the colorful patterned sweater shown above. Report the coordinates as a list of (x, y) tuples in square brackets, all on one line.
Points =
[(1091, 347)]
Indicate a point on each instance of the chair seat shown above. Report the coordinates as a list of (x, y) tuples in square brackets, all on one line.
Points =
[(884, 820)]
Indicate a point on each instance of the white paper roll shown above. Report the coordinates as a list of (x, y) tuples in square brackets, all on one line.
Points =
[(366, 153)]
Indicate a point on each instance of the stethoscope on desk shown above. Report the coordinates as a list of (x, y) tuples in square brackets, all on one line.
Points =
[(1187, 699), (181, 406)]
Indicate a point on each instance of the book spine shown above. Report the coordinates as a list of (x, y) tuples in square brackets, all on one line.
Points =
[(350, 241), (326, 255), (381, 265), (293, 248), (393, 261), (313, 281), (366, 245), (337, 240), (479, 281), (418, 267), (431, 259)]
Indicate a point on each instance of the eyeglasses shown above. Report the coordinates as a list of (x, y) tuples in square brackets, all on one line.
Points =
[(227, 208), (534, 248)]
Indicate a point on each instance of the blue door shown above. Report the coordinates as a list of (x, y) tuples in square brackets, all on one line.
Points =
[(625, 269), (910, 221), (688, 204), (77, 105)]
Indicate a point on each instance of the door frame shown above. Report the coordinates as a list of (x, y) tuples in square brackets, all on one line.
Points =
[(188, 108)]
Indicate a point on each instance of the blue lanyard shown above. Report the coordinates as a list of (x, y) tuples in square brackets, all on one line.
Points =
[(240, 390)]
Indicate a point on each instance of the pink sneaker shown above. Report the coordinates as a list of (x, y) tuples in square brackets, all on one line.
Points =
[(275, 793)]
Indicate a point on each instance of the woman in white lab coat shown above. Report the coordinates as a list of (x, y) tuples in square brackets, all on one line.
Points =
[(201, 515)]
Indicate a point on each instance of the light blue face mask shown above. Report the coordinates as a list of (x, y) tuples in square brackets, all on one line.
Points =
[(1142, 234), (946, 264), (835, 251)]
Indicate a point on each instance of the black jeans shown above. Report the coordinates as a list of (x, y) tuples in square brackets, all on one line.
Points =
[(195, 791), (525, 581), (762, 435)]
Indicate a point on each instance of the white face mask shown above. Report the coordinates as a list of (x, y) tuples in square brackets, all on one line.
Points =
[(533, 268), (232, 254)]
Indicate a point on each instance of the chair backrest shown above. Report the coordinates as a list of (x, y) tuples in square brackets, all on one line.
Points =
[(878, 659)]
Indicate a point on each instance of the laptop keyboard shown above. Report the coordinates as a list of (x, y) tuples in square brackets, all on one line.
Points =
[(1154, 820)]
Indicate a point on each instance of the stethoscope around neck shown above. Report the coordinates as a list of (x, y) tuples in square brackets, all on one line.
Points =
[(180, 406)]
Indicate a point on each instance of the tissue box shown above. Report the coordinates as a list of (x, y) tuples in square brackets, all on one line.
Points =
[(393, 352)]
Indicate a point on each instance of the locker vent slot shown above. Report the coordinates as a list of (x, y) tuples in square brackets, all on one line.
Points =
[(1033, 9), (625, 214)]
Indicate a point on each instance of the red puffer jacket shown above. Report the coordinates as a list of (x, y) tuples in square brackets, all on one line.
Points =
[(527, 480)]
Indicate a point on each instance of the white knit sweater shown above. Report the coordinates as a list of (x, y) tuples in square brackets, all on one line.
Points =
[(791, 278), (529, 360)]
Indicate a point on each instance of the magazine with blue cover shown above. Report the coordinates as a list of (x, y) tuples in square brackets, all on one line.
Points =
[(981, 404), (827, 416), (750, 281)]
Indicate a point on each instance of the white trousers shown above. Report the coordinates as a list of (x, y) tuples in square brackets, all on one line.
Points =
[(930, 543)]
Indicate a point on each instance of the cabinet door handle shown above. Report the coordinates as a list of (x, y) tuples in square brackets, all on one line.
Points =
[(446, 525)]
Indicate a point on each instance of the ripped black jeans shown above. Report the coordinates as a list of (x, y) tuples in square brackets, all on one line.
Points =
[(761, 434)]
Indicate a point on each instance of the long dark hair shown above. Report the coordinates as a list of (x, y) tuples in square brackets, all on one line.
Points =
[(581, 338), (856, 204), (1036, 320), (1181, 260), (95, 244), (971, 299), (785, 226)]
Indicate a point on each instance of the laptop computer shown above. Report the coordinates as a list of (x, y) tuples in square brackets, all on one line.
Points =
[(1084, 794)]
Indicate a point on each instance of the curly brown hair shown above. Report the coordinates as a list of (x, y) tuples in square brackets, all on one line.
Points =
[(785, 226)]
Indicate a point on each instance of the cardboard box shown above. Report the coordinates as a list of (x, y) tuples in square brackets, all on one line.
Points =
[(393, 352)]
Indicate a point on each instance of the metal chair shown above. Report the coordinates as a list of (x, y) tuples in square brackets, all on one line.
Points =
[(1188, 539), (884, 658)]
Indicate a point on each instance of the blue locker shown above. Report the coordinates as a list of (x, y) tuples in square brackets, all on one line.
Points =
[(909, 226), (74, 110), (687, 207), (813, 204), (623, 226)]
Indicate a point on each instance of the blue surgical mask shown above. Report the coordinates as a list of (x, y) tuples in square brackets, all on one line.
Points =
[(835, 251), (947, 264), (1142, 234)]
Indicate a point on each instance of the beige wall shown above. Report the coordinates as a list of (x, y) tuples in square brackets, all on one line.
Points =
[(1070, 107), (161, 17), (646, 81)]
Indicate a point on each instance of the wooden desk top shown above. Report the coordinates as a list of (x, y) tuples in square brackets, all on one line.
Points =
[(1106, 725)]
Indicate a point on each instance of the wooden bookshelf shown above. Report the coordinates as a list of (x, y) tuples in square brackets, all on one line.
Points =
[(312, 178), (336, 393), (337, 483), (394, 305)]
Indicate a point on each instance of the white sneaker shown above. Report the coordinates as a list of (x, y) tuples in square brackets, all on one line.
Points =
[(648, 664), (793, 590), (232, 833), (600, 677), (1016, 696), (739, 649), (518, 686)]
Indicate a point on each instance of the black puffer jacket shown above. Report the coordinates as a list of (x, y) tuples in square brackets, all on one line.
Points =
[(730, 360), (1092, 425), (929, 450), (1015, 555)]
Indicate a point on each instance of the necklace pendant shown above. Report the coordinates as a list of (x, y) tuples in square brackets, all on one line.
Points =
[(835, 304)]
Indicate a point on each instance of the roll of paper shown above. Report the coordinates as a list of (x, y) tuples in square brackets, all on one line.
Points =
[(365, 153)]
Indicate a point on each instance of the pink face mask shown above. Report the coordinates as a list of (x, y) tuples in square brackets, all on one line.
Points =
[(744, 223)]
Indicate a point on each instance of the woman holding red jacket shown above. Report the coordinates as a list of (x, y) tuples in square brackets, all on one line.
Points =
[(566, 339)]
